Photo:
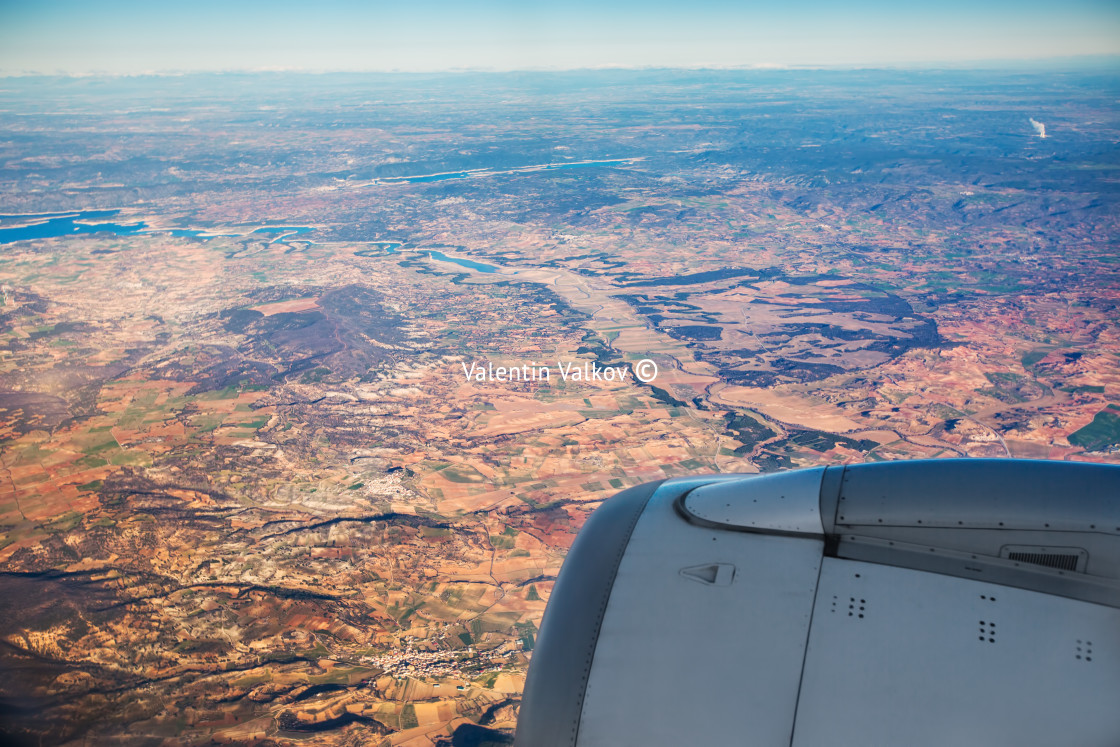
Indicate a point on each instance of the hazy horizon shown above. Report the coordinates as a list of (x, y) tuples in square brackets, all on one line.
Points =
[(1055, 64), (125, 37)]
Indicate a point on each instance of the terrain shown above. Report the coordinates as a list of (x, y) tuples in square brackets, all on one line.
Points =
[(248, 493)]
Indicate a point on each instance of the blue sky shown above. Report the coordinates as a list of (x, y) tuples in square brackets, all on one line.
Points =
[(124, 36)]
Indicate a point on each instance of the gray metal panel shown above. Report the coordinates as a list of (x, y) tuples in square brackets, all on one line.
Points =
[(1103, 550), (899, 656), (994, 570), (682, 662), (979, 506), (983, 493), (785, 502), (554, 688)]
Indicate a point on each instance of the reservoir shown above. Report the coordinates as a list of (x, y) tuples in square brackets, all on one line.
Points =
[(393, 247), (53, 225), (64, 224), (429, 177), (284, 232), (488, 172), (478, 266), (384, 247)]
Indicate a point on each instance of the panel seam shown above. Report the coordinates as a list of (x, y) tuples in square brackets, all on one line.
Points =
[(805, 655)]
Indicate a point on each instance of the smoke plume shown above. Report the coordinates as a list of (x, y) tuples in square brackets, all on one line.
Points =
[(1039, 128)]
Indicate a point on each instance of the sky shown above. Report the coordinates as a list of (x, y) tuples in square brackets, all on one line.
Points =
[(81, 37)]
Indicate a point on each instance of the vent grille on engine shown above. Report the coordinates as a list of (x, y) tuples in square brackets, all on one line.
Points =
[(1058, 558), (1050, 560)]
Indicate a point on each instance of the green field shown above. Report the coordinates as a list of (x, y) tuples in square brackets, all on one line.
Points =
[(1102, 433)]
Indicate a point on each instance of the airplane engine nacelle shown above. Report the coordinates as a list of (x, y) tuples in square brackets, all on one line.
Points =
[(929, 602)]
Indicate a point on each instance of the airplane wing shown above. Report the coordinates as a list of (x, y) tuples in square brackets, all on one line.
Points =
[(932, 602)]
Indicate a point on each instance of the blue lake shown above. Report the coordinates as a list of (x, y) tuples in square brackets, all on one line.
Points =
[(383, 248), (53, 225), (484, 172), (283, 231), (429, 178), (552, 166), (461, 262), (65, 224)]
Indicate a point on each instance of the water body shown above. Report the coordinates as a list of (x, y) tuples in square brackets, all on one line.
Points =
[(431, 177), (393, 247), (54, 225), (69, 224), (285, 232), (383, 248), (478, 266), (487, 172), (553, 166), (66, 224), (40, 217)]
